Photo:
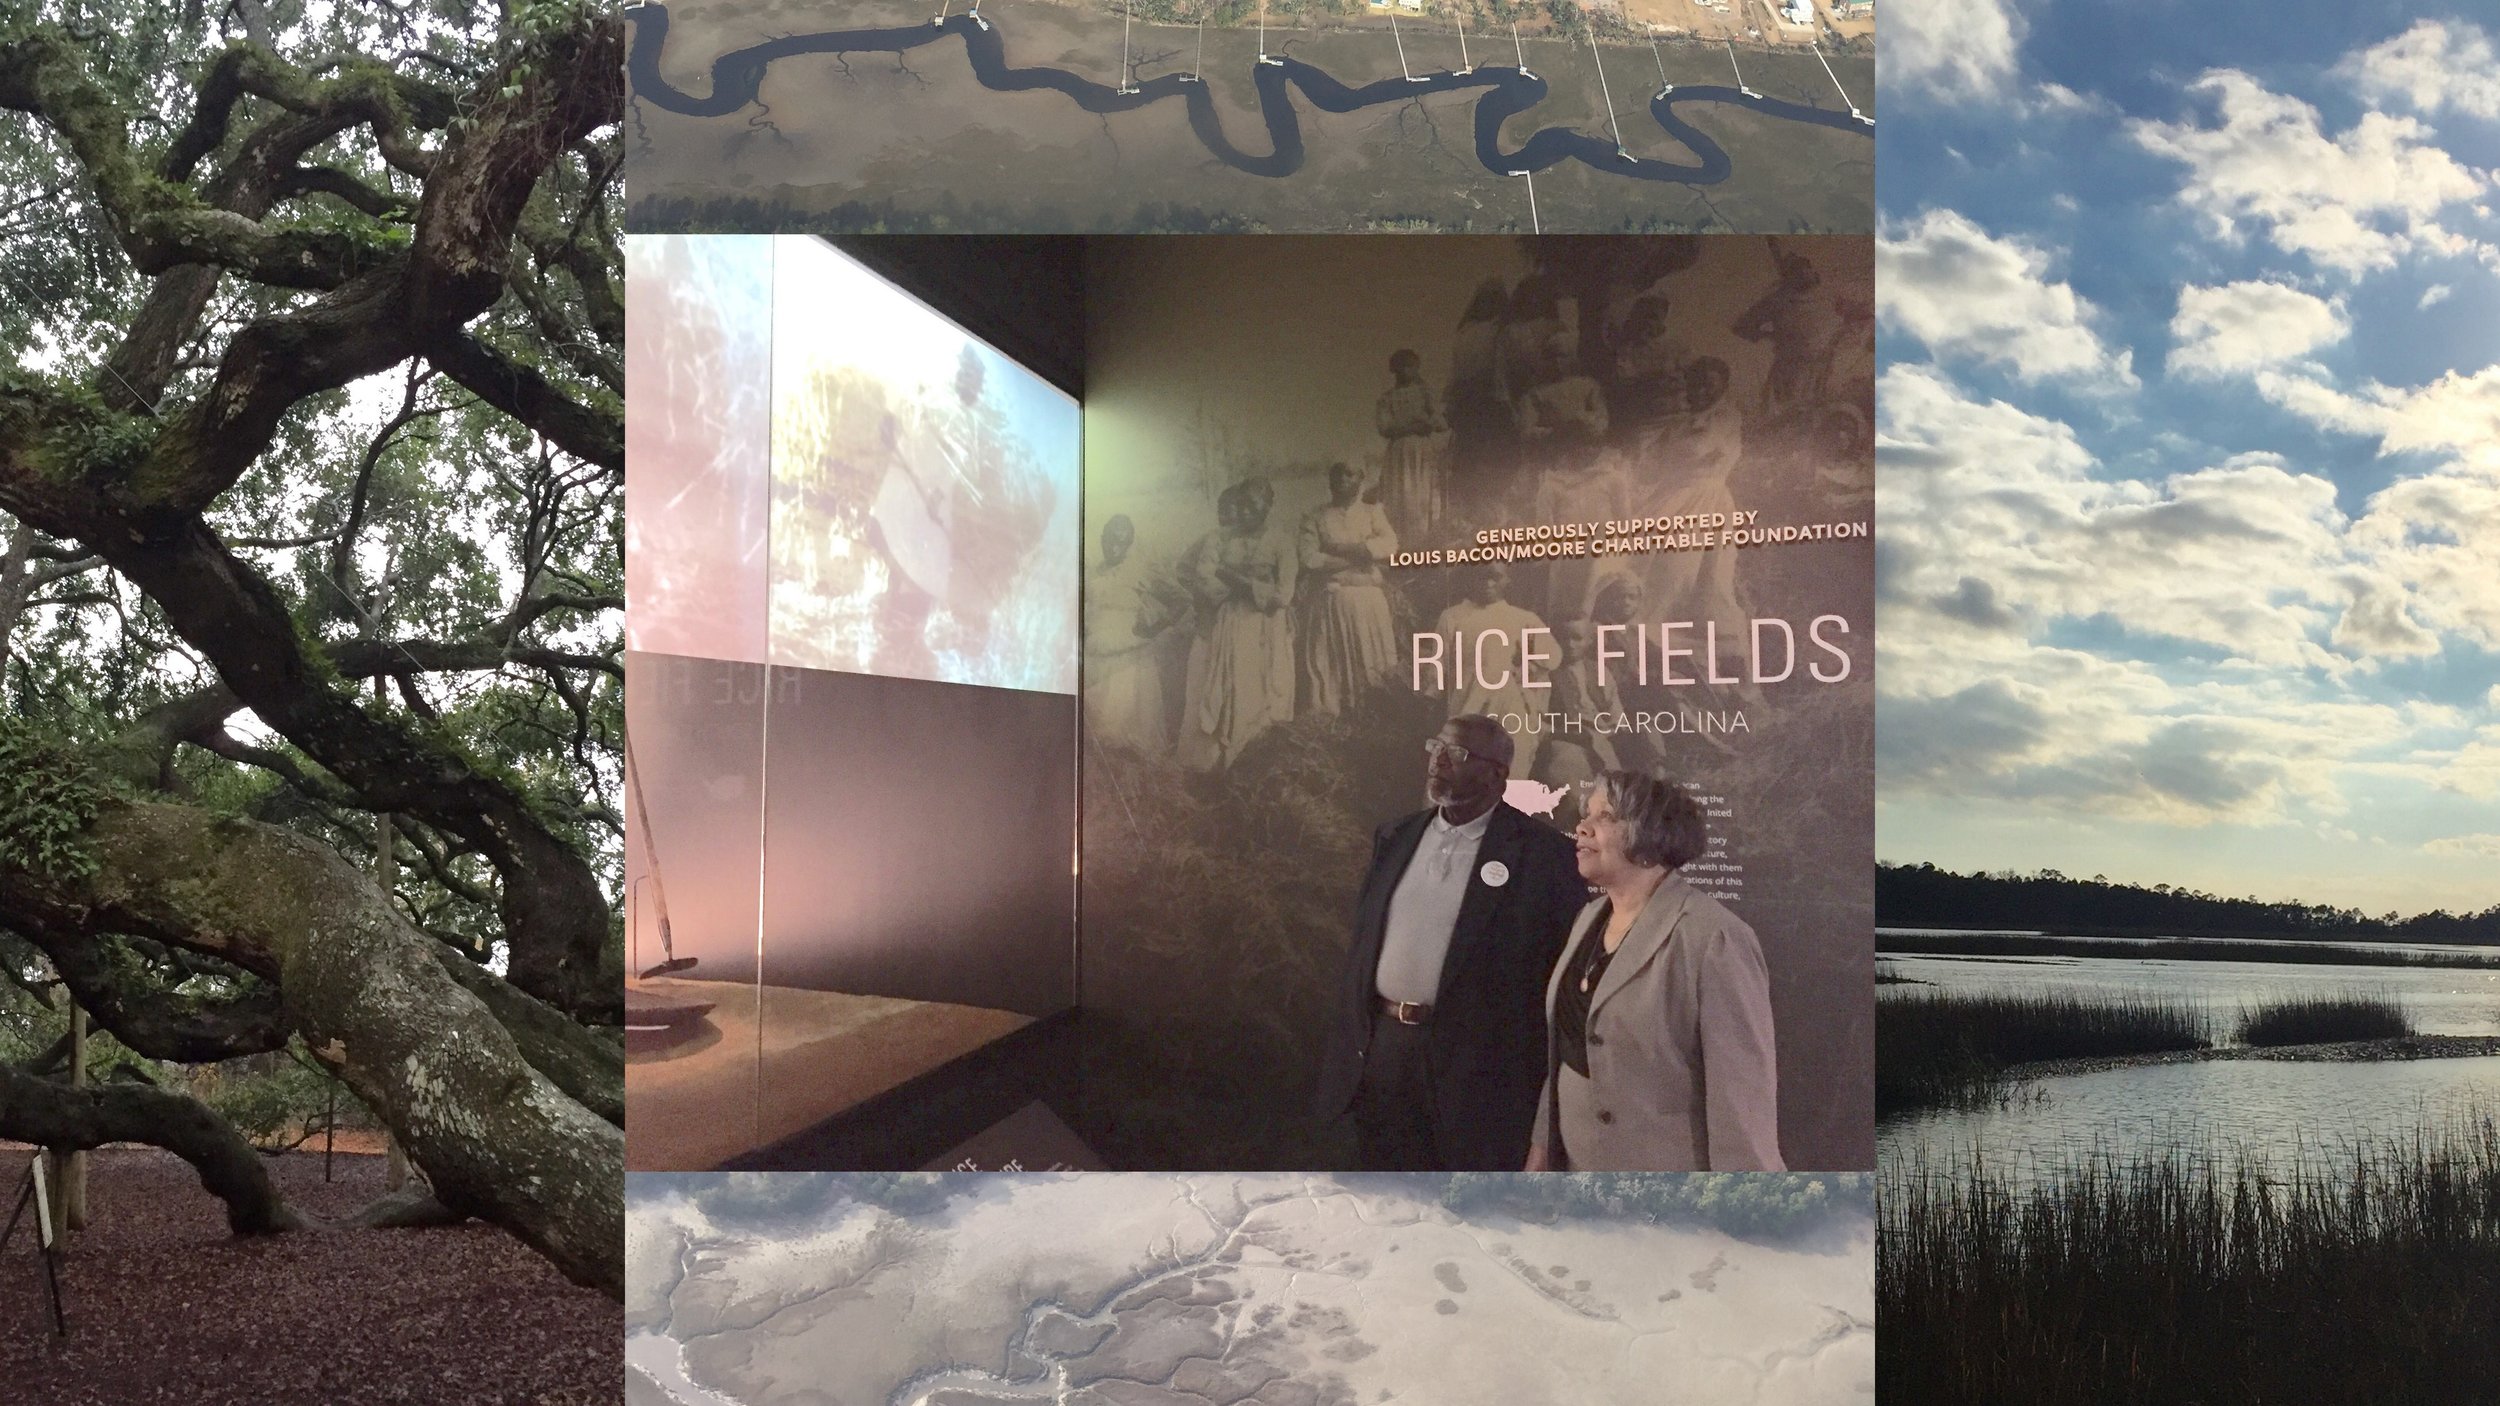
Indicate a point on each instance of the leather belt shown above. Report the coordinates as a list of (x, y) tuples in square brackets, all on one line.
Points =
[(1405, 1012)]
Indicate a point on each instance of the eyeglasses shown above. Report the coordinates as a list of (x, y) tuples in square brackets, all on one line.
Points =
[(1434, 746)]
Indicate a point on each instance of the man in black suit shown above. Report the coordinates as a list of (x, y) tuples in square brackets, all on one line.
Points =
[(1438, 1042)]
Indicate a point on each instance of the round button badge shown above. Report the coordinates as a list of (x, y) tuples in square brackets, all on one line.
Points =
[(1494, 873)]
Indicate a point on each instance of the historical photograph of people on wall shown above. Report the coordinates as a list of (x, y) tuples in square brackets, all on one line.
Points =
[(1576, 529)]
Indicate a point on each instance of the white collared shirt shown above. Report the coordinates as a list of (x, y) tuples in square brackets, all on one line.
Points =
[(1423, 913)]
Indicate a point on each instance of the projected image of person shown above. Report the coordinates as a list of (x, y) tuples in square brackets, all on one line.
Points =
[(958, 515), (1349, 645), (1410, 465), (1492, 630), (1126, 617), (1661, 1055), (924, 490), (1241, 667)]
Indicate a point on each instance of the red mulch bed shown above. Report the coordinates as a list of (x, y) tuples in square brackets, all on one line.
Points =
[(166, 1306)]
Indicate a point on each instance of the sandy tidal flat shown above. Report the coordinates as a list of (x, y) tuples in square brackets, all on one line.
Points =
[(1137, 1290)]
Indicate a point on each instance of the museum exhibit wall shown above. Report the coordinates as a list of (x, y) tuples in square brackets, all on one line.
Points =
[(852, 612), (1234, 776)]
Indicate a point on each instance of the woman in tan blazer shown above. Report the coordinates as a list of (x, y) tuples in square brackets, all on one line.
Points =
[(1658, 1018)]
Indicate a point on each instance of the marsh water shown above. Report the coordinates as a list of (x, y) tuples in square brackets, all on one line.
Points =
[(663, 1360), (2279, 1112)]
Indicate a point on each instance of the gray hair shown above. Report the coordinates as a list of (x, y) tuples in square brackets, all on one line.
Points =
[(1497, 748), (1662, 821)]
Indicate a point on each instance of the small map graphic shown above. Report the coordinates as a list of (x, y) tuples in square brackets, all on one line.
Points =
[(1535, 797)]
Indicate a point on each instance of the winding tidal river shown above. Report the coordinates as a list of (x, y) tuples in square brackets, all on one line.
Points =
[(738, 76)]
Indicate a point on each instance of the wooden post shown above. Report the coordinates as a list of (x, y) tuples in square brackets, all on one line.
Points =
[(74, 1170), (55, 1210), (386, 873)]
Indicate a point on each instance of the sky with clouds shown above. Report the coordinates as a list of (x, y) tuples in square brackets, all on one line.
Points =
[(2189, 430)]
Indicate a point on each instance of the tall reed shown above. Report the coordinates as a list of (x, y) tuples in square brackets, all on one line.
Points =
[(2323, 1019), (2369, 1276), (1945, 1048)]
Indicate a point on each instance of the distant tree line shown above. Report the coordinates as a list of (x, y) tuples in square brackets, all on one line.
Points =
[(1215, 12), (1922, 895), (668, 214), (765, 1200), (1750, 1206)]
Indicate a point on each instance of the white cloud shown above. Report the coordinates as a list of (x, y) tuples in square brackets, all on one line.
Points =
[(2239, 327), (2473, 770), (1967, 294), (2431, 538), (2245, 607), (2465, 846), (2432, 67), (2438, 535), (2435, 294), (2458, 413), (2057, 97), (2088, 736), (1961, 50), (2244, 558), (2352, 203)]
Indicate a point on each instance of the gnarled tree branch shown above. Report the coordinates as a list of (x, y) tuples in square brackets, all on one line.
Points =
[(375, 1002)]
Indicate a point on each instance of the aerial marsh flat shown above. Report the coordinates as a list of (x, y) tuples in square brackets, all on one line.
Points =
[(1273, 1290)]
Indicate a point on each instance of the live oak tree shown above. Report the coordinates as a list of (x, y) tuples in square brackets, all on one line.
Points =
[(311, 464)]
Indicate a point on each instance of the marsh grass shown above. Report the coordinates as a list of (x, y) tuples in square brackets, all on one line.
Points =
[(2314, 1020), (1948, 1049), (2370, 1275)]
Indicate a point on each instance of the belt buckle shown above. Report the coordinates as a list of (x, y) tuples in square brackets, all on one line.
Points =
[(1411, 1012)]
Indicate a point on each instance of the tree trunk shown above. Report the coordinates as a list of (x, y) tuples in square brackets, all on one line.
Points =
[(495, 1137), (386, 876), (74, 1168)]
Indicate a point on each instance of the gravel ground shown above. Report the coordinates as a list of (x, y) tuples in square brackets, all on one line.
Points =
[(165, 1306), (2347, 1051)]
